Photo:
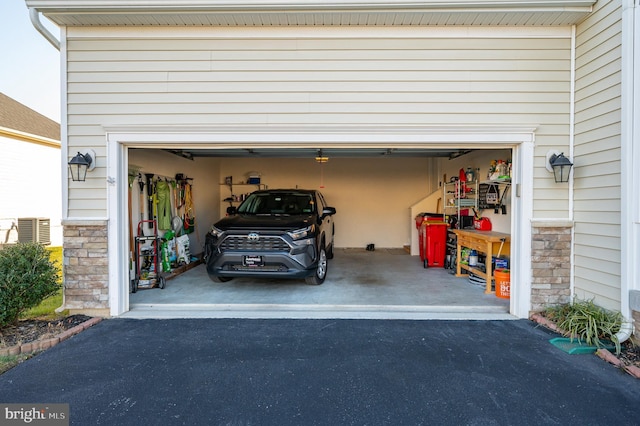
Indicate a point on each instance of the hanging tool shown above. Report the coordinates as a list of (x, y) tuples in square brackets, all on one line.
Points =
[(131, 178), (176, 221), (180, 179), (155, 202), (503, 208), (189, 216), (149, 177), (141, 201)]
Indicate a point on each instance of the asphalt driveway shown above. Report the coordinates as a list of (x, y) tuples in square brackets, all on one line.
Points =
[(322, 372)]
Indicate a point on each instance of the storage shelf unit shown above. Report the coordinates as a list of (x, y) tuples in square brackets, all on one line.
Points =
[(491, 195), (458, 197), (244, 189)]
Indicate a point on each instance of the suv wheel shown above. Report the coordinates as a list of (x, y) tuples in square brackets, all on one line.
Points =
[(330, 252), (218, 279), (321, 270)]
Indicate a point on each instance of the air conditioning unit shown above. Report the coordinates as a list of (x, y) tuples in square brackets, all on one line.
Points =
[(34, 230)]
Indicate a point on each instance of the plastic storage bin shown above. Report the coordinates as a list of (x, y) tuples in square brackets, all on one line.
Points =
[(432, 239), (428, 217)]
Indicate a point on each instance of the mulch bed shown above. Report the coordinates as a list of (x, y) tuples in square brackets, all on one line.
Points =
[(630, 354), (628, 358), (33, 330)]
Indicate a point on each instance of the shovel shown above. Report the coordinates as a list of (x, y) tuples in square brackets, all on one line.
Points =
[(150, 195)]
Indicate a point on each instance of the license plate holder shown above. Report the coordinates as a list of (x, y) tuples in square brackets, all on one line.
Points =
[(252, 261)]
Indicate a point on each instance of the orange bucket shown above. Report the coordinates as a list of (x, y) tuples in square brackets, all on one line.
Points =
[(503, 283)]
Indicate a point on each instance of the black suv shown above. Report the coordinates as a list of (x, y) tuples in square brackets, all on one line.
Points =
[(279, 233)]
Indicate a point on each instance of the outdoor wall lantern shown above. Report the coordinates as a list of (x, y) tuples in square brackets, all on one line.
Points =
[(559, 165), (81, 164)]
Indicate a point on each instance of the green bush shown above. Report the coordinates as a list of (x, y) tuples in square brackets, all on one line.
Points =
[(27, 277), (584, 320)]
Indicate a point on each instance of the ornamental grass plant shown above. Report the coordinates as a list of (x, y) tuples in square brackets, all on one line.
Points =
[(588, 322)]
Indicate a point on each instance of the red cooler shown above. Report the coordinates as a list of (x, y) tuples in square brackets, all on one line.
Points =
[(432, 239)]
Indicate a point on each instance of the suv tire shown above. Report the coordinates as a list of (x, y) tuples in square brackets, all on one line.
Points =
[(321, 269), (330, 252), (217, 279)]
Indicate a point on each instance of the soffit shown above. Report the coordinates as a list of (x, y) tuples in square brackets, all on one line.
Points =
[(313, 12)]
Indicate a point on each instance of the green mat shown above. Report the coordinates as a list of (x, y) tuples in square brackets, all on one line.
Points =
[(576, 347)]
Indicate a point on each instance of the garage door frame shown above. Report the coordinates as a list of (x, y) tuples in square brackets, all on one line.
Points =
[(519, 139)]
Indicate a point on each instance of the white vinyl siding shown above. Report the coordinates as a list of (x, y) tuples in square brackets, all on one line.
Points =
[(597, 156), (332, 76)]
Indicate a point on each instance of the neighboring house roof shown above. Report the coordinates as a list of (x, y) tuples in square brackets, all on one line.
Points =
[(20, 122)]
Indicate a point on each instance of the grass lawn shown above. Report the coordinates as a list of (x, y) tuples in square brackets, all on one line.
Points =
[(8, 362)]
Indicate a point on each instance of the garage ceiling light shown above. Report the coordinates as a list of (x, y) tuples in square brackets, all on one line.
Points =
[(320, 158)]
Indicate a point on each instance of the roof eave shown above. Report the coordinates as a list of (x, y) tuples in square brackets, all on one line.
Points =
[(142, 12), (149, 6)]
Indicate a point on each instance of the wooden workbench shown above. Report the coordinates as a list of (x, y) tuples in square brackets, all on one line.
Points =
[(486, 242)]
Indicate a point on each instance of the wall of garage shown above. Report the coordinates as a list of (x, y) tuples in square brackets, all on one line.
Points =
[(205, 191), (372, 195), (337, 76), (597, 176)]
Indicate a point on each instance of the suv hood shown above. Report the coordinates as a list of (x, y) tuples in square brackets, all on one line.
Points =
[(263, 222)]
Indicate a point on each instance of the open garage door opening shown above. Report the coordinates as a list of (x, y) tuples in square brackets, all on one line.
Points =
[(397, 249)]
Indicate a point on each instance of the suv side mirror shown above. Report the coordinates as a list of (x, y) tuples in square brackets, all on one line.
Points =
[(232, 210), (328, 211)]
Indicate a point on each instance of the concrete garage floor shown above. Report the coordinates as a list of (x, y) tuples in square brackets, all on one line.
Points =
[(383, 284)]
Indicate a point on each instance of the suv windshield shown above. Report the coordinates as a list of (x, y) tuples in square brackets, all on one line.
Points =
[(274, 203)]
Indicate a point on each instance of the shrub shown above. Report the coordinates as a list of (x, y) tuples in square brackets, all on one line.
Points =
[(27, 277), (587, 321)]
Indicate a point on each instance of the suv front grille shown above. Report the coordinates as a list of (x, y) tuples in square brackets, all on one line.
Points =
[(264, 243)]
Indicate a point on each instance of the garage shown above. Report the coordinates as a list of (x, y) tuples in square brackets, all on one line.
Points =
[(356, 76), (377, 187), (388, 102)]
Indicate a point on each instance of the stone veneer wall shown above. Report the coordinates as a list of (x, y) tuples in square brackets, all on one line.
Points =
[(550, 264), (86, 275)]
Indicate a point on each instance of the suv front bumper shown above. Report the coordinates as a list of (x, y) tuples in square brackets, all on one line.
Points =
[(299, 261)]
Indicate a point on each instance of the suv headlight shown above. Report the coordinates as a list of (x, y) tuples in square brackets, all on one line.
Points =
[(299, 234), (216, 232)]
